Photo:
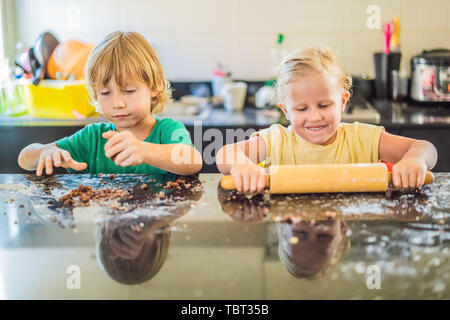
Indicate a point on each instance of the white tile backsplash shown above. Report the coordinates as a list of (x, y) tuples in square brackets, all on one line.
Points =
[(356, 13), (316, 16), (197, 16), (359, 49), (252, 56), (190, 36), (199, 53), (153, 17), (261, 17)]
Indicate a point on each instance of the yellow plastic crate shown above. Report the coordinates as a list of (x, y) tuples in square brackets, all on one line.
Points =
[(58, 99)]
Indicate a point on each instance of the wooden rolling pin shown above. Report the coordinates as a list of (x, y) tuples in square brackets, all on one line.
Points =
[(321, 178)]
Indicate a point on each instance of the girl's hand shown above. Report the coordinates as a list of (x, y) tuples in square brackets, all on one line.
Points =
[(124, 148), (54, 156), (409, 173), (250, 212), (248, 178)]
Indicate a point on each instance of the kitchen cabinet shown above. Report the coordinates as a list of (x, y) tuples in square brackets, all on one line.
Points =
[(15, 138), (426, 122), (440, 138)]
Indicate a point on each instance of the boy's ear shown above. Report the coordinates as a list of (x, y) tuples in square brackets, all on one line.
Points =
[(283, 108), (344, 99)]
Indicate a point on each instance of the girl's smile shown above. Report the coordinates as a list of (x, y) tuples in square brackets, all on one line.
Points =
[(313, 104)]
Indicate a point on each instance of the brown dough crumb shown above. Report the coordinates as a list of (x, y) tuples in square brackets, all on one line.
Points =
[(85, 194), (330, 214), (85, 197)]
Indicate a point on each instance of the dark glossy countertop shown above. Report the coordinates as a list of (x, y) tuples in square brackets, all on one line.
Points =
[(199, 242), (409, 115), (392, 115), (211, 117)]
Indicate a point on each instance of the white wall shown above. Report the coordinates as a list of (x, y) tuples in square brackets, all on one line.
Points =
[(190, 36)]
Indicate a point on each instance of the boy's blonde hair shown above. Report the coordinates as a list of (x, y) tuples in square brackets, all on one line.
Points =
[(142, 268), (307, 61), (127, 55)]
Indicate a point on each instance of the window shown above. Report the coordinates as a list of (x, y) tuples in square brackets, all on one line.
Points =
[(2, 46)]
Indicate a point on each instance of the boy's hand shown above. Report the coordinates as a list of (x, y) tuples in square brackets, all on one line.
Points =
[(54, 156), (248, 178), (128, 244), (409, 173), (124, 148)]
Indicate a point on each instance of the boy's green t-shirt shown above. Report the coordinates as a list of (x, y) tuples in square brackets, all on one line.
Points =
[(88, 145)]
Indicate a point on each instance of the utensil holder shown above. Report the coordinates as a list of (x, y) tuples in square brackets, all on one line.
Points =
[(384, 64)]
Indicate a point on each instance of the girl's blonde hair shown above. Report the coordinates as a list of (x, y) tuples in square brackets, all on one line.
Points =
[(299, 272), (127, 55), (307, 61)]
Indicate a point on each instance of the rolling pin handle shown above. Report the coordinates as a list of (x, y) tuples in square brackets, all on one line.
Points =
[(227, 182), (429, 177)]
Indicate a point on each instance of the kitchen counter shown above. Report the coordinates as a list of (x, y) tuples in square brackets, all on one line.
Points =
[(211, 127), (211, 117), (411, 116), (392, 115), (192, 240)]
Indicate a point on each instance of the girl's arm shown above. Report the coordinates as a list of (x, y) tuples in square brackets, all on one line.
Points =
[(246, 152), (240, 160), (412, 159)]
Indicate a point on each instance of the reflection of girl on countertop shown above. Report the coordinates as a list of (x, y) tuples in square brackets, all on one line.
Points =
[(311, 250)]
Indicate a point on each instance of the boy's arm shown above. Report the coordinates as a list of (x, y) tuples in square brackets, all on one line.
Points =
[(250, 151), (29, 156), (126, 150), (38, 157), (178, 158), (412, 158)]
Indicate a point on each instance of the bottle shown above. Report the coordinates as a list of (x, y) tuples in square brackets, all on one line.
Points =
[(3, 77)]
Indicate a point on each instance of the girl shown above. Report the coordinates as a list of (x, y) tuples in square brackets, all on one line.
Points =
[(312, 92), (125, 78), (311, 250)]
